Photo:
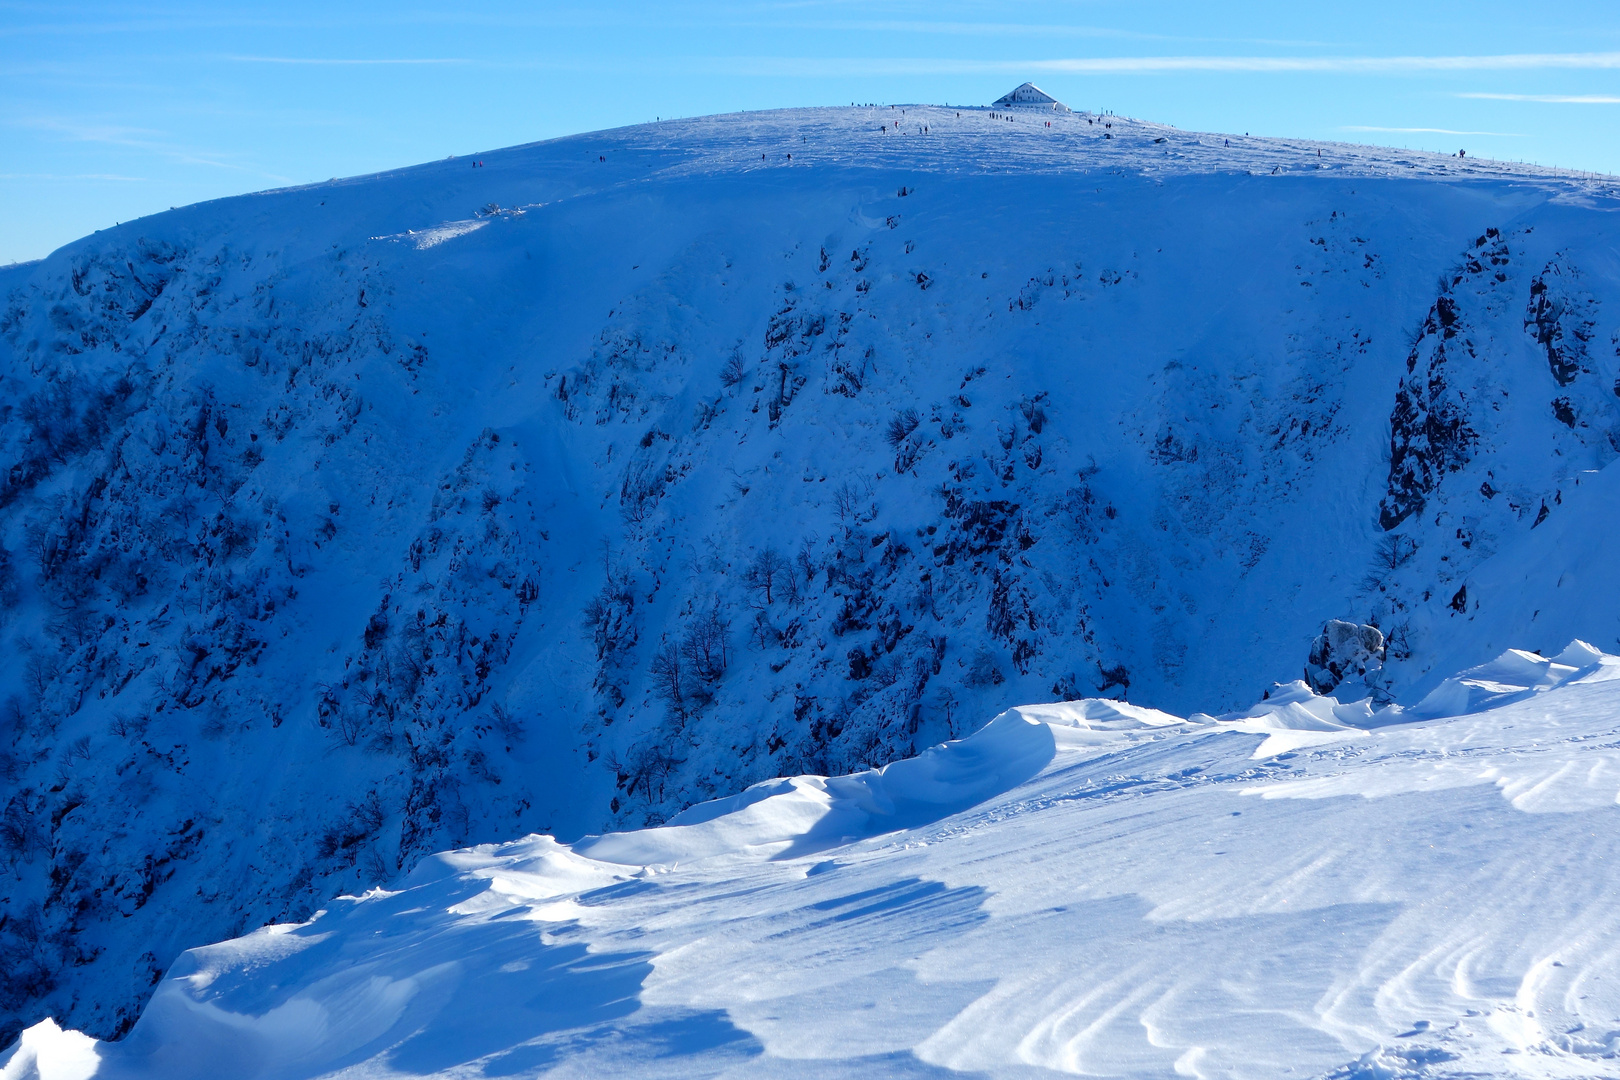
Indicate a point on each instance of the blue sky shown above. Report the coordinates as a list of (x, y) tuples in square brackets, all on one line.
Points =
[(112, 111)]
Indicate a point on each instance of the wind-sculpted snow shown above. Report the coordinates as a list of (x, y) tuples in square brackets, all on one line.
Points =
[(349, 523), (802, 814), (1077, 888)]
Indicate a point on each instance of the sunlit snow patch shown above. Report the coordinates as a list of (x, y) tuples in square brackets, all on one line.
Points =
[(46, 1052), (1437, 757), (799, 815), (1513, 676), (438, 234), (1292, 718)]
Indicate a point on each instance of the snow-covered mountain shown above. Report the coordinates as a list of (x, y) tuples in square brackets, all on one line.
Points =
[(1306, 888), (564, 487)]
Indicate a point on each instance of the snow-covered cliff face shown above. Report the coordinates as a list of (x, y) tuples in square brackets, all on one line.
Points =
[(345, 524)]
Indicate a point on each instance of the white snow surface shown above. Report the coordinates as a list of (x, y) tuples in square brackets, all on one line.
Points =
[(344, 524), (1079, 888)]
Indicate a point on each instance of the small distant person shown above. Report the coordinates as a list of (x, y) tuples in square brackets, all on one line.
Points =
[(1462, 153), (1228, 142)]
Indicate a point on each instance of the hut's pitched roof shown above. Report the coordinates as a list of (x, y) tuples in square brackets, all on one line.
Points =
[(1030, 96)]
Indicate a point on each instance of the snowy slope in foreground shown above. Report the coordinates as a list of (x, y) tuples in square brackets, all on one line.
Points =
[(1088, 888)]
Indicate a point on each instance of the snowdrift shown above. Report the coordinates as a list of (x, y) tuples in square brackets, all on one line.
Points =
[(1077, 888)]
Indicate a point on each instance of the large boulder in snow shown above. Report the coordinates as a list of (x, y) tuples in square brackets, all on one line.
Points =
[(1342, 650)]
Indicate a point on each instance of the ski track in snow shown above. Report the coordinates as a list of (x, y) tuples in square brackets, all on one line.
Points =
[(1076, 889), (308, 493)]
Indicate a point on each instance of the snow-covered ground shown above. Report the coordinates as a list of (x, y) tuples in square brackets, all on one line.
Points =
[(1301, 889), (350, 523)]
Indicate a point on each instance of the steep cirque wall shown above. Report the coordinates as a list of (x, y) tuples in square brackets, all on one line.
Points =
[(345, 524)]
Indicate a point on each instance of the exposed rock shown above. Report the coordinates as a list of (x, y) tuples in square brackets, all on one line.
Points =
[(1430, 434), (1560, 318), (1341, 651)]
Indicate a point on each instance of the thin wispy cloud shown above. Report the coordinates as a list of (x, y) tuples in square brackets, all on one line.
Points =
[(140, 139), (958, 29), (183, 24), (1550, 99), (822, 67), (337, 20), (1012, 29), (1373, 65), (79, 131), (1432, 131), (344, 61), (76, 176)]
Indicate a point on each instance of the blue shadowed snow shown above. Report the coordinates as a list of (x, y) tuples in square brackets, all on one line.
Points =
[(1383, 900)]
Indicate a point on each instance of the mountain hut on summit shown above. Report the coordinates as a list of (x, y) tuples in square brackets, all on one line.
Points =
[(1030, 96)]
